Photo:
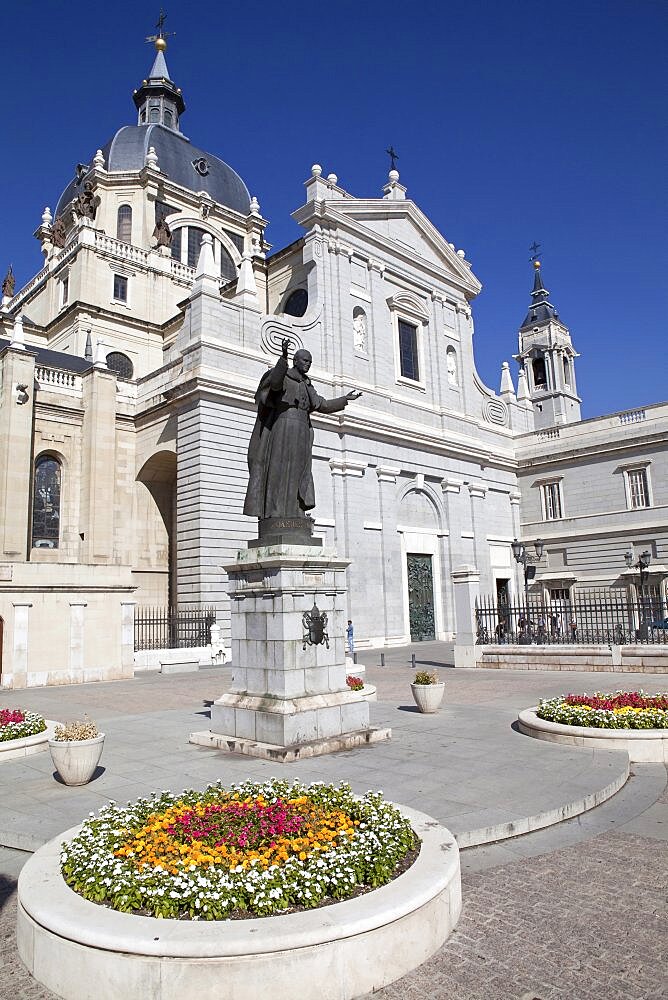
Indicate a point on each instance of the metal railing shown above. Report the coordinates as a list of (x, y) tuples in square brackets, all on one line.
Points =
[(589, 619), (173, 628)]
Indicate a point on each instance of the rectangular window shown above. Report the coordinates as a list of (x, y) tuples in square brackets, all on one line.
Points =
[(552, 507), (194, 244), (65, 290), (176, 243), (638, 491), (120, 288), (408, 351), (559, 594)]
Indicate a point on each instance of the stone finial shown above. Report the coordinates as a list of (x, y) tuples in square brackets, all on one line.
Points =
[(246, 281), (18, 341), (393, 176), (98, 160), (316, 170), (152, 158), (332, 179), (100, 354), (523, 389), (254, 206), (461, 253), (47, 218), (206, 265), (506, 379)]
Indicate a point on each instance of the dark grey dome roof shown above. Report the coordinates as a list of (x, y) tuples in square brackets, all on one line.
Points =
[(127, 151)]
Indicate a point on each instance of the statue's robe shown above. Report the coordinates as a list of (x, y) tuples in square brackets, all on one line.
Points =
[(280, 482)]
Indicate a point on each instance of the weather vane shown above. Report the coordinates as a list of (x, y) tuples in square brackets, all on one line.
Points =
[(162, 35), (393, 157), (535, 247)]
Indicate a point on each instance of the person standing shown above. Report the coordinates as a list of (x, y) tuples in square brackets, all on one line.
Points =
[(350, 638)]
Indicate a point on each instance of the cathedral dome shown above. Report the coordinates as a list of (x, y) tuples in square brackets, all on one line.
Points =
[(178, 160), (160, 105)]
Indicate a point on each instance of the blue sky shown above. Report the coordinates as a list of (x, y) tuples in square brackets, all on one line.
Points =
[(513, 121)]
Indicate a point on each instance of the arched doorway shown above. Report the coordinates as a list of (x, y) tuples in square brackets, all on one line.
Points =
[(158, 477)]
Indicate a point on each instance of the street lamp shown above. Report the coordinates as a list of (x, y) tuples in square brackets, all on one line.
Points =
[(528, 562), (642, 565)]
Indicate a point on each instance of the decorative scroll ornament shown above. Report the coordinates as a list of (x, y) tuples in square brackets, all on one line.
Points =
[(495, 411), (273, 333), (315, 623)]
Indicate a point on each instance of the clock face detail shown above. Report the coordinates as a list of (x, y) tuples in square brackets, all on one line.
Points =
[(201, 166)]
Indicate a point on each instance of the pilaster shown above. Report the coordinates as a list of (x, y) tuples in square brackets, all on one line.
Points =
[(17, 399), (99, 465)]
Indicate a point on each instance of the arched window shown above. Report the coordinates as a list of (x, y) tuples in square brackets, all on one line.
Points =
[(177, 235), (567, 371), (124, 224), (297, 302), (228, 269), (120, 363), (539, 372), (154, 114), (46, 503), (194, 242), (168, 118)]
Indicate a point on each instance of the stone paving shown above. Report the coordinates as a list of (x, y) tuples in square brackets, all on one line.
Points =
[(561, 914)]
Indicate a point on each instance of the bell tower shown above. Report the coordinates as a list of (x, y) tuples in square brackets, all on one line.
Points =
[(547, 356)]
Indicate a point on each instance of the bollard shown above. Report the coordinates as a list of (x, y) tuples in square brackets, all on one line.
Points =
[(354, 657), (382, 659), (413, 660)]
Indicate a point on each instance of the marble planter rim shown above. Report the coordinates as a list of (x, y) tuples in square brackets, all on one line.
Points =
[(24, 745), (46, 898), (76, 743), (642, 745)]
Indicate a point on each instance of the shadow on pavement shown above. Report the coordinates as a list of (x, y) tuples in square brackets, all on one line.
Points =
[(7, 888), (97, 773)]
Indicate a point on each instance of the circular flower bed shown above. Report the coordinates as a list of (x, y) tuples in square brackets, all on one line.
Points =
[(619, 710), (17, 725), (254, 849)]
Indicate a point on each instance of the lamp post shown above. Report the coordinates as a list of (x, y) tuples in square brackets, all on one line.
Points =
[(642, 565), (528, 562)]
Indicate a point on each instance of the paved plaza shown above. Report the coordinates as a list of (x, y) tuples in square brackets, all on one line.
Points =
[(575, 911)]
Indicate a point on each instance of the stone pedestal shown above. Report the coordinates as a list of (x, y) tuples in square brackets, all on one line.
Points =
[(288, 698)]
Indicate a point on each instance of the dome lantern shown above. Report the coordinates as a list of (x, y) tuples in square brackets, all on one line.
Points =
[(159, 101)]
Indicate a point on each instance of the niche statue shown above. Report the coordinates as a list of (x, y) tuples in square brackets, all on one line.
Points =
[(280, 480)]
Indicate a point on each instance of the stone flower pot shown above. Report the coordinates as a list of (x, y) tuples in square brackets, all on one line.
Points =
[(76, 760), (428, 697)]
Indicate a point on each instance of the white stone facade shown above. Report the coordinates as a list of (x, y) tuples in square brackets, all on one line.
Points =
[(429, 463)]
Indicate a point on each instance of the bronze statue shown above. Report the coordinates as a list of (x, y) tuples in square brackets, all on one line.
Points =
[(58, 233), (85, 204), (280, 480), (162, 234), (9, 284)]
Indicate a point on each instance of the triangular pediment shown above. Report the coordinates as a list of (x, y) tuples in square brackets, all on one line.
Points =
[(402, 226)]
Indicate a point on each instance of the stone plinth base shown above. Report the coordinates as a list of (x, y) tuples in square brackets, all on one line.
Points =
[(285, 755), (289, 691)]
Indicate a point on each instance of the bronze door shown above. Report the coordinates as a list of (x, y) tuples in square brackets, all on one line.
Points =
[(420, 598)]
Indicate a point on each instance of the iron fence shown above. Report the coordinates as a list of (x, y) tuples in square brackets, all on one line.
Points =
[(173, 628), (588, 619)]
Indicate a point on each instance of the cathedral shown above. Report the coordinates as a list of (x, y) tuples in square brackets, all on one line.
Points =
[(128, 367)]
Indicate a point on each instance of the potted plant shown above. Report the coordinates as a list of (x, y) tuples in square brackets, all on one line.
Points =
[(427, 691), (76, 748)]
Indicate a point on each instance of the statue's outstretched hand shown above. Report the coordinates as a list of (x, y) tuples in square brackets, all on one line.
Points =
[(353, 394), (285, 343)]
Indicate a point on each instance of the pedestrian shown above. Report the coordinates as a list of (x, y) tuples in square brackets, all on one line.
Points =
[(350, 638), (555, 625), (574, 630)]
